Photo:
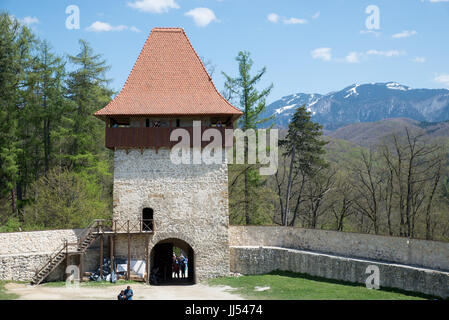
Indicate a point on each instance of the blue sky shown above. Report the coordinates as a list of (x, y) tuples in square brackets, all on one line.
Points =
[(307, 46)]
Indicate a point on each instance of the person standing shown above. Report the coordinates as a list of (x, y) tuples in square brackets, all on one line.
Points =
[(129, 293), (176, 267)]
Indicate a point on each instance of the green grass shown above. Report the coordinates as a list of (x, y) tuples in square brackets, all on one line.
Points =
[(94, 284), (293, 286), (4, 295)]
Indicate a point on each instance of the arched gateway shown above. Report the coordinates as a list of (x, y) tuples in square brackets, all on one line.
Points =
[(162, 264), (157, 202)]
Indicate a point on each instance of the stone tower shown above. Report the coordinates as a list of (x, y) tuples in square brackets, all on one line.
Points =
[(157, 204)]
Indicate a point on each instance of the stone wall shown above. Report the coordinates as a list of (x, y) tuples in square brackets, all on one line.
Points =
[(23, 253), (23, 266), (259, 260), (190, 203), (413, 252), (36, 241)]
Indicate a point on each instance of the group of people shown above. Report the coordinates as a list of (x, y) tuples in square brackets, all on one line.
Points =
[(126, 294), (179, 266)]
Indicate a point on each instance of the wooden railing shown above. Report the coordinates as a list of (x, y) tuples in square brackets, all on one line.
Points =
[(156, 137), (84, 240), (133, 226), (96, 225)]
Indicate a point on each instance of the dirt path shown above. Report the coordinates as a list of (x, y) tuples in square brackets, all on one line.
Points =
[(141, 292)]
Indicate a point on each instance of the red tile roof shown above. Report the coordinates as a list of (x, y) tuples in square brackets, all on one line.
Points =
[(168, 78)]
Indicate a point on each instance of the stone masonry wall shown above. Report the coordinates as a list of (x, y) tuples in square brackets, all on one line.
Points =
[(190, 203), (259, 260), (36, 241), (428, 254), (23, 253)]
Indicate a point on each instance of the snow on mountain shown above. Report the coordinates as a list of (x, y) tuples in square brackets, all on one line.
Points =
[(364, 103)]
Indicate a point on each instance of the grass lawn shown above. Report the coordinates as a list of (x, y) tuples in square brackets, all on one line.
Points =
[(94, 284), (4, 295), (293, 286)]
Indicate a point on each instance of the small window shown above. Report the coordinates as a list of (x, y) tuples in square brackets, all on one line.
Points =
[(147, 123), (178, 123), (147, 219)]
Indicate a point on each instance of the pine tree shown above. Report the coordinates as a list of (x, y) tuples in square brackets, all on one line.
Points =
[(305, 148), (252, 103), (43, 99), (88, 93), (16, 43)]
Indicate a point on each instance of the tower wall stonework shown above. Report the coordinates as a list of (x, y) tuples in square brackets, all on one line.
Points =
[(189, 201)]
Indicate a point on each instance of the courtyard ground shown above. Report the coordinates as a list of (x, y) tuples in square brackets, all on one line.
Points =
[(105, 291), (276, 285)]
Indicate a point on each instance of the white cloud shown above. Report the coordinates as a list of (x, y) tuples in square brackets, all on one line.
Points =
[(294, 21), (443, 78), (29, 20), (419, 59), (376, 33), (202, 16), (435, 1), (316, 15), (389, 53), (356, 57), (353, 57), (404, 34), (99, 26), (273, 17), (134, 29), (154, 6), (322, 54)]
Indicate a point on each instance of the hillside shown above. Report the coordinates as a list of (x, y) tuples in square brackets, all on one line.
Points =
[(369, 133)]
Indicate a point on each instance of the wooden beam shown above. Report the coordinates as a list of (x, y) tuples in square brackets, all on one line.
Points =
[(101, 256), (80, 266), (147, 261), (111, 251), (66, 259), (129, 254)]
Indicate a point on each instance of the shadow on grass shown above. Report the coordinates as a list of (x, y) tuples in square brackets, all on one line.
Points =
[(347, 283)]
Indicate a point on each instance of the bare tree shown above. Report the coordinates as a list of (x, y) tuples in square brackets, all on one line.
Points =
[(342, 205), (368, 183), (318, 187)]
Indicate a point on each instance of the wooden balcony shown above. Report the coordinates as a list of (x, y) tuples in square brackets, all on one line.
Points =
[(129, 137)]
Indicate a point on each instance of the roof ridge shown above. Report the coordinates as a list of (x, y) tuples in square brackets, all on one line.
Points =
[(167, 29)]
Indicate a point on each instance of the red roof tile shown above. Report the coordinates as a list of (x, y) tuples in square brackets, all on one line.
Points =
[(168, 78)]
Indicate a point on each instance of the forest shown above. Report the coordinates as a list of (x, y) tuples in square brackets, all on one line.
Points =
[(56, 173)]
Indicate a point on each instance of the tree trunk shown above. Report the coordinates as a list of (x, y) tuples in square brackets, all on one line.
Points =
[(247, 218), (289, 188)]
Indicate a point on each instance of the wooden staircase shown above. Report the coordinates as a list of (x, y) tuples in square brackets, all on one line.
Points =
[(86, 238)]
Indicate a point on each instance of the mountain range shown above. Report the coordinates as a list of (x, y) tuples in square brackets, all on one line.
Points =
[(361, 103)]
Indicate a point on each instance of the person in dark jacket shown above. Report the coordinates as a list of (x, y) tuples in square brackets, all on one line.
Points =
[(121, 295)]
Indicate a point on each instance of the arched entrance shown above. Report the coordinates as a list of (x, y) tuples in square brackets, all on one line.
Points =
[(161, 265)]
